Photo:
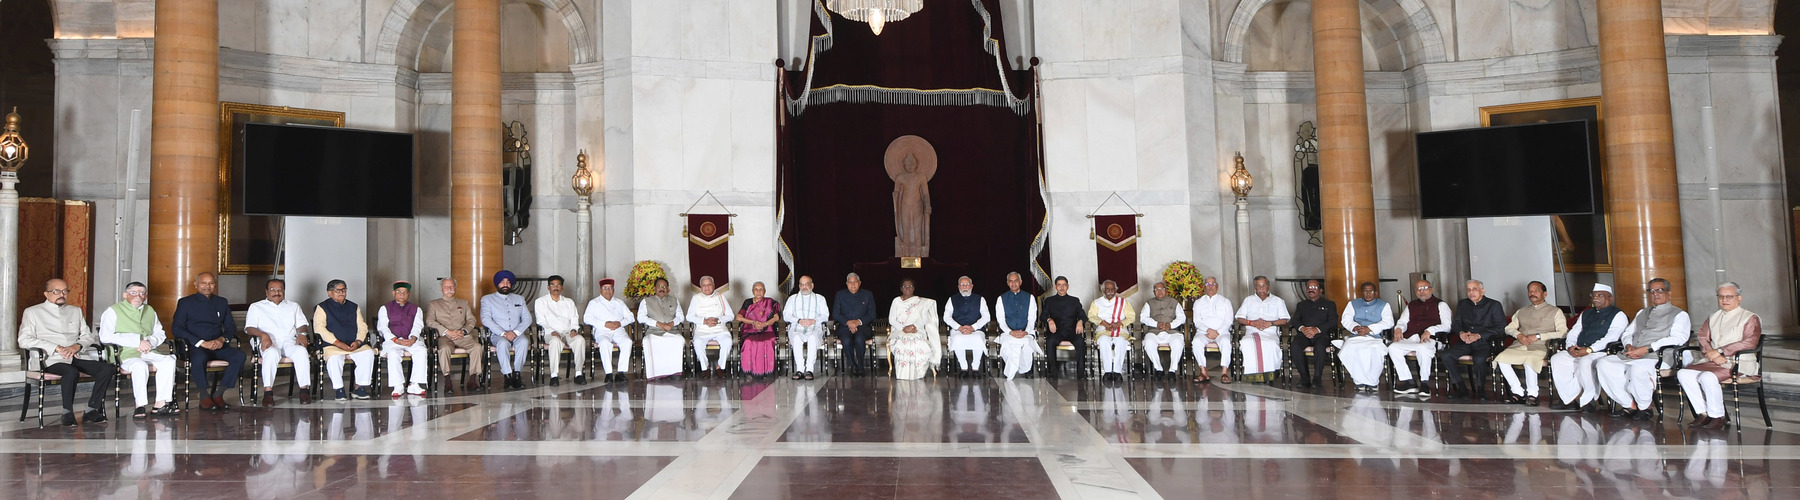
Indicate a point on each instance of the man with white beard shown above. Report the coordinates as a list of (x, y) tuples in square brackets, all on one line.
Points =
[(1110, 313), (966, 314), (806, 314), (1162, 316), (1262, 315)]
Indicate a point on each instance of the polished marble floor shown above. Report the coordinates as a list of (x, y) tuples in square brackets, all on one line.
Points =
[(848, 438)]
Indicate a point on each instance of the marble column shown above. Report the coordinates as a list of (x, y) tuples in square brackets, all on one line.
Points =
[(476, 225), (184, 150), (1347, 195), (1642, 200), (10, 361)]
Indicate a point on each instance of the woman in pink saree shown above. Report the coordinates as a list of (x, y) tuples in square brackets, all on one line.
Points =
[(758, 317)]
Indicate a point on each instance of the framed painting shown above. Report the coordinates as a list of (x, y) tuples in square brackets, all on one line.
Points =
[(248, 243), (1581, 239)]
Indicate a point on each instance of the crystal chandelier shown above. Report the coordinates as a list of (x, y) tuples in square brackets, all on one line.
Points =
[(875, 12)]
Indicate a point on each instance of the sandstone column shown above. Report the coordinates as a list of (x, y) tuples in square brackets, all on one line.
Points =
[(476, 224), (1346, 193), (1642, 202), (184, 150)]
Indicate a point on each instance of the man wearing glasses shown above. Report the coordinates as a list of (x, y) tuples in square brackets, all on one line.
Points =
[(62, 332), (1573, 369), (346, 335), (1426, 317), (1630, 377), (203, 321)]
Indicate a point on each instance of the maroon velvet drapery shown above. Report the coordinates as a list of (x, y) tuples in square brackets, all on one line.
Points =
[(837, 199)]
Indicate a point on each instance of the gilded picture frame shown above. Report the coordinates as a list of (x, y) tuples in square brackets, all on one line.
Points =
[(247, 243), (1583, 240)]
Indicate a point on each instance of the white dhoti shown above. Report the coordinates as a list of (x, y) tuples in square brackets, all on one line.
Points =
[(1574, 377), (1628, 381), (605, 340), (1262, 350), (1529, 388), (1018, 354), (806, 343), (662, 354), (139, 367), (1364, 357), (1165, 338), (1223, 343), (973, 344), (395, 354), (273, 357), (1423, 349), (576, 344), (1112, 353), (700, 341), (365, 368)]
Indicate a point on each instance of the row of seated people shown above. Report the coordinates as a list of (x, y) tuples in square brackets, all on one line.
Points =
[(1598, 352), (709, 321)]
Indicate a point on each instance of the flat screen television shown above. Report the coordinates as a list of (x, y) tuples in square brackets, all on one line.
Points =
[(326, 172), (1514, 170)]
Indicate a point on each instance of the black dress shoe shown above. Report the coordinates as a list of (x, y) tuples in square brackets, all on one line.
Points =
[(94, 416), (1591, 407), (555, 381), (1306, 384), (1642, 415), (1530, 401), (581, 379), (1620, 412), (68, 419)]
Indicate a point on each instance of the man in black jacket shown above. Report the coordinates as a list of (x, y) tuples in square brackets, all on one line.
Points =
[(1478, 320), (1063, 314)]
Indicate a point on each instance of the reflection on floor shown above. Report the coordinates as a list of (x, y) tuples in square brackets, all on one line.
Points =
[(880, 438)]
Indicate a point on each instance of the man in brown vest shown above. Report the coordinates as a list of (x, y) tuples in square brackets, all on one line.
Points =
[(455, 322), (1426, 317)]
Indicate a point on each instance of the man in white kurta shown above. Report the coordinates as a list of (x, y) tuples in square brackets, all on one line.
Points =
[(913, 343), (403, 338), (1212, 326), (1263, 314), (560, 325), (278, 331), (1573, 369), (806, 314), (136, 353), (1016, 311), (1162, 318), (967, 341), (1365, 321), (1630, 377), (1415, 333), (608, 316), (663, 346), (1110, 313), (711, 317)]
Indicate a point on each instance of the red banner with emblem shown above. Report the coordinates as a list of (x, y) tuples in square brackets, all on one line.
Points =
[(708, 252), (1115, 243)]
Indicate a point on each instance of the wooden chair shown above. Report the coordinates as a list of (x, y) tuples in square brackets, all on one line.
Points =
[(1738, 382), (1290, 371), (253, 362), (430, 335), (37, 374), (379, 341), (213, 367)]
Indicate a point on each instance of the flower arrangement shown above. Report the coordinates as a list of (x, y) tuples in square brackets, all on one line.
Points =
[(642, 282), (1184, 280)]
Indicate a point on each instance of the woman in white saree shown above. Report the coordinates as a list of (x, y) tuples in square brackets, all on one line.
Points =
[(913, 343)]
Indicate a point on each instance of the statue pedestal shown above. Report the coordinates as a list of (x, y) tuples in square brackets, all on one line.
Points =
[(932, 279)]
